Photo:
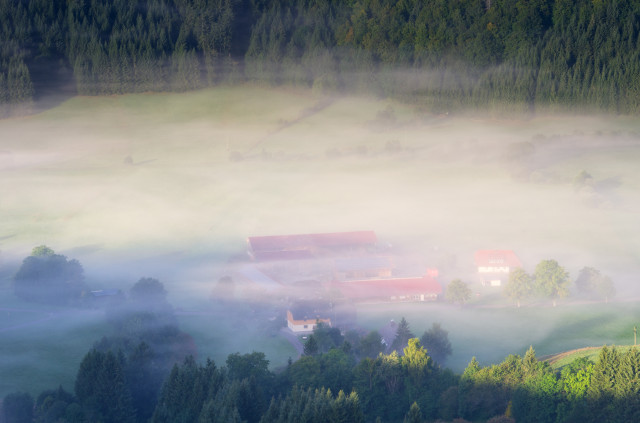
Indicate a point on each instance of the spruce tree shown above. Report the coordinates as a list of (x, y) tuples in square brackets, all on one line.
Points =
[(403, 334), (414, 415), (311, 346)]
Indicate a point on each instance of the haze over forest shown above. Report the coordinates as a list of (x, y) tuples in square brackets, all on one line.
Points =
[(143, 142)]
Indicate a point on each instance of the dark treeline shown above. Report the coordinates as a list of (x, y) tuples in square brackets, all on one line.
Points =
[(445, 54), (342, 384)]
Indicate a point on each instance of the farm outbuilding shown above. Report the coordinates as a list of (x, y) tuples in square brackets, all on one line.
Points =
[(423, 288)]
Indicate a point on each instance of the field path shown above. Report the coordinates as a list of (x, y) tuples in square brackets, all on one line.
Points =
[(554, 358)]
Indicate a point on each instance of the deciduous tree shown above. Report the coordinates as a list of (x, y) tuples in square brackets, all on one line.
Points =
[(551, 280), (436, 341), (519, 286), (47, 277), (458, 292), (592, 283)]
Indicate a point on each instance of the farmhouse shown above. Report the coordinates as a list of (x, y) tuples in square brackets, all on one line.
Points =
[(306, 246), (304, 316), (494, 265), (424, 288)]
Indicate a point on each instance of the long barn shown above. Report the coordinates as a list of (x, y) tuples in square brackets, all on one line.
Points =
[(306, 246)]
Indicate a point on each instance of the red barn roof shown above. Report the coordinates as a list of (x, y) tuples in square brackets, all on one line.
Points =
[(379, 288), (487, 258), (264, 246)]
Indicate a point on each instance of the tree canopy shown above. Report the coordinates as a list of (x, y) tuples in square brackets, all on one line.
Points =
[(403, 334), (551, 280), (458, 292), (592, 283), (148, 291), (436, 341), (519, 286), (47, 277)]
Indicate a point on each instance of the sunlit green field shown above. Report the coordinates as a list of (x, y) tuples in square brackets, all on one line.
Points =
[(490, 334), (170, 186)]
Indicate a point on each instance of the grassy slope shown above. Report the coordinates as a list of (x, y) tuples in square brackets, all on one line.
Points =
[(183, 207), (558, 361)]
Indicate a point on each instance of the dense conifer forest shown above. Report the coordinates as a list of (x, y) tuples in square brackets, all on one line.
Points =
[(444, 54), (121, 381)]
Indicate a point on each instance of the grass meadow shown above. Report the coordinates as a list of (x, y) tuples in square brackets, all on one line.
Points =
[(170, 186)]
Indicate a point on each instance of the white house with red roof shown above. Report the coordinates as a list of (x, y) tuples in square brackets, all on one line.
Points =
[(494, 266), (304, 316)]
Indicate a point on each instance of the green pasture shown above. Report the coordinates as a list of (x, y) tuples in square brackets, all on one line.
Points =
[(219, 332), (492, 333), (46, 353), (170, 185), (591, 354)]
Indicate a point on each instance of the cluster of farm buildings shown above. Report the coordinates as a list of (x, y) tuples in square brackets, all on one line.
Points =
[(314, 271)]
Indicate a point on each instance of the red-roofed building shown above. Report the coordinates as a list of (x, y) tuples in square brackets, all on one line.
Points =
[(422, 288), (362, 267), (494, 266), (302, 246)]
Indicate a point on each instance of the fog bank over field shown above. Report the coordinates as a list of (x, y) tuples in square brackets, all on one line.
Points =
[(421, 181), (171, 185)]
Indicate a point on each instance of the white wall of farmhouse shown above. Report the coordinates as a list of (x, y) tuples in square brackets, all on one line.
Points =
[(493, 269)]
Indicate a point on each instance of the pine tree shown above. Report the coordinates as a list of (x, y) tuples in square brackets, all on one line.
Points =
[(403, 334), (414, 415), (311, 346)]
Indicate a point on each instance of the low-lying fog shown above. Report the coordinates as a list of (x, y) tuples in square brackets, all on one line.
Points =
[(171, 185)]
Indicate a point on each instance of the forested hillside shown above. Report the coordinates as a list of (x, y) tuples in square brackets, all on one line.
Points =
[(445, 54), (113, 386)]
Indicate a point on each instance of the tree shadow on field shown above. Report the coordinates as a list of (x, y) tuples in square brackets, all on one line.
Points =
[(53, 82), (580, 333)]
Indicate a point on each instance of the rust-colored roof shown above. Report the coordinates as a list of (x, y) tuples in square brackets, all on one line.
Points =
[(282, 255), (307, 241), (385, 288), (496, 258), (352, 264)]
